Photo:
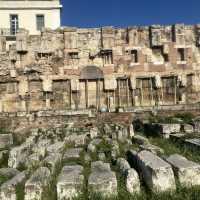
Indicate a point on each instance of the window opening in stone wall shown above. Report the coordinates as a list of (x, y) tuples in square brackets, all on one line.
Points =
[(73, 55), (134, 54), (160, 55), (181, 54), (107, 56)]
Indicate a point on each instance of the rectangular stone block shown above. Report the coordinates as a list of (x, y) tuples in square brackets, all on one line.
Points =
[(52, 161), (187, 172), (70, 182), (6, 140), (102, 180), (35, 186), (156, 173), (8, 189)]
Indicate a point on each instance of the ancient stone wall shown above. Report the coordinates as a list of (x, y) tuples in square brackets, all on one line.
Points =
[(72, 68)]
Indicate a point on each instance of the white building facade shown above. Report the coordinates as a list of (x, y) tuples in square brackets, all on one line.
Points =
[(33, 15)]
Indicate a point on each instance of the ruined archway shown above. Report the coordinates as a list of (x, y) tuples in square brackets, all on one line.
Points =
[(91, 86), (91, 73)]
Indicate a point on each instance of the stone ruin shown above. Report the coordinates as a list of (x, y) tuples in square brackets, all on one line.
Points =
[(102, 68), (94, 157), (51, 86)]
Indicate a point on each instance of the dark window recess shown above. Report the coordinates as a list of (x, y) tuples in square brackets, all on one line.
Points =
[(160, 51), (44, 55), (166, 57), (181, 54), (40, 22), (14, 24), (107, 56), (134, 54), (73, 55)]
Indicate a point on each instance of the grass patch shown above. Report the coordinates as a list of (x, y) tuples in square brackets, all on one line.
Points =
[(3, 179), (20, 193), (179, 118), (4, 161), (170, 148)]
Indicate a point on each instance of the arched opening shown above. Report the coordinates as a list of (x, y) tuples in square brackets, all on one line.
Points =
[(91, 86)]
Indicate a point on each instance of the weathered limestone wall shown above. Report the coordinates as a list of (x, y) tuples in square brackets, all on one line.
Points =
[(72, 68)]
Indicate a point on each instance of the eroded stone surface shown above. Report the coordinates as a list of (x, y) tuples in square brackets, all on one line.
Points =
[(166, 129), (8, 189), (102, 180), (6, 140), (187, 172), (123, 165), (140, 139), (57, 147), (155, 172), (72, 153), (35, 186), (152, 148), (77, 140), (188, 128), (18, 156), (132, 181), (70, 182), (52, 161), (193, 143)]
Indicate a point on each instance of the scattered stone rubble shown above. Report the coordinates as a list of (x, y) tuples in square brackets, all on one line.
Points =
[(71, 160)]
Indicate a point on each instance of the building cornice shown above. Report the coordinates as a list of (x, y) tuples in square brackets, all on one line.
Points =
[(29, 5)]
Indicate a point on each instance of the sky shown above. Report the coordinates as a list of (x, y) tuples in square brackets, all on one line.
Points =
[(123, 13)]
